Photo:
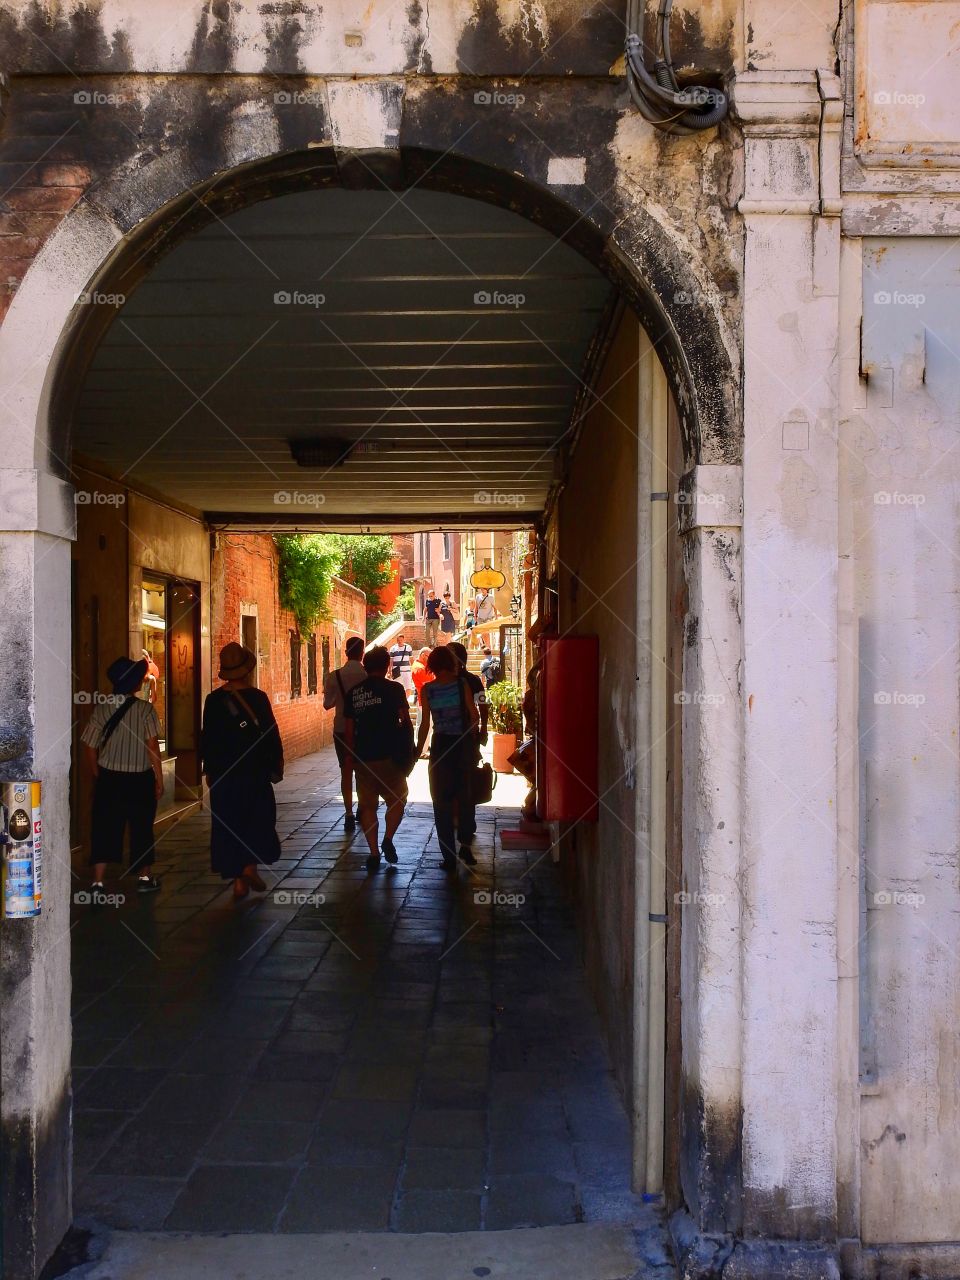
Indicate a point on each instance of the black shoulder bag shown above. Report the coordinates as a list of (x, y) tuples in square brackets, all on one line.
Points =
[(233, 697), (404, 755), (482, 778), (111, 726)]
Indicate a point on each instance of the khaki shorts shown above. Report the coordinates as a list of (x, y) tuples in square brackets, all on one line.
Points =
[(376, 778)]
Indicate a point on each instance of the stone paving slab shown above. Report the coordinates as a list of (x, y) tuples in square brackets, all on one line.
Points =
[(584, 1252), (402, 1056)]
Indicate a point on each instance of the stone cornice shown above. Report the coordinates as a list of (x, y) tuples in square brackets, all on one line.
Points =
[(777, 103)]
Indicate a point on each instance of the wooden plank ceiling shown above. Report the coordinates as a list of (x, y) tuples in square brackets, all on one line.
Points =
[(421, 351)]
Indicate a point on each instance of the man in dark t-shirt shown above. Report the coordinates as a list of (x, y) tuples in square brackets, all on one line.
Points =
[(431, 617), (379, 734)]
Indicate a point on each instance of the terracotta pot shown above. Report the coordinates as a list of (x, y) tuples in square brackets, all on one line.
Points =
[(504, 745)]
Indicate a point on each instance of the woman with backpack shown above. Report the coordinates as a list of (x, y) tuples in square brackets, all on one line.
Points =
[(450, 707), (123, 753), (242, 758)]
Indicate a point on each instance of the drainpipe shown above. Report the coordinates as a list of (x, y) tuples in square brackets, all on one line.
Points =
[(650, 916), (657, 953)]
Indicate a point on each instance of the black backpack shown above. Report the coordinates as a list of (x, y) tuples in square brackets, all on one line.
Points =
[(494, 672)]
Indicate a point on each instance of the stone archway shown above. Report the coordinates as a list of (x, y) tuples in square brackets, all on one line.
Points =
[(372, 132), (379, 133)]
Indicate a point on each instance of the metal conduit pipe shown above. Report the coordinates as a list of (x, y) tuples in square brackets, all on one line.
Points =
[(650, 908), (659, 914), (658, 97)]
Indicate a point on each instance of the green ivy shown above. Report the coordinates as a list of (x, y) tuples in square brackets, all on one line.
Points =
[(362, 560), (406, 606), (310, 561)]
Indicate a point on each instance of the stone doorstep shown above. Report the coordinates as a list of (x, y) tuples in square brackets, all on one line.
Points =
[(581, 1252)]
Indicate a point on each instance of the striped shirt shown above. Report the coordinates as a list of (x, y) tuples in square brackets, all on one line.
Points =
[(126, 751)]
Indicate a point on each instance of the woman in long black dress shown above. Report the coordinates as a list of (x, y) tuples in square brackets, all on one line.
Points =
[(242, 758)]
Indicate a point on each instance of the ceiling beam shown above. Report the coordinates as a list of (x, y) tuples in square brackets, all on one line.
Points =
[(298, 522)]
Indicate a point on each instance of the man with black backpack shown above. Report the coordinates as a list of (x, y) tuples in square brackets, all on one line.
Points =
[(491, 669), (380, 739), (336, 691)]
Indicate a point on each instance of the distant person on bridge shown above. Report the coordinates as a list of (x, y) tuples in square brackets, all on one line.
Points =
[(401, 660), (485, 610), (336, 690), (431, 617), (448, 618)]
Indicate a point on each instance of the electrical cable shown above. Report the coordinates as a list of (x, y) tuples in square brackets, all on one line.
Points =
[(658, 97)]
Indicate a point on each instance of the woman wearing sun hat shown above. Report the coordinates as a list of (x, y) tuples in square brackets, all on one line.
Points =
[(121, 741), (242, 758)]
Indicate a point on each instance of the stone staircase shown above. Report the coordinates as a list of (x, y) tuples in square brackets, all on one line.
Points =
[(414, 633)]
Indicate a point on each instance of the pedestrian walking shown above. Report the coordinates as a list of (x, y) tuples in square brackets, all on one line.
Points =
[(122, 747), (336, 689), (380, 737), (485, 610), (242, 758), (449, 708), (448, 619), (401, 660), (421, 676), (466, 815), (419, 673), (431, 617), (491, 668)]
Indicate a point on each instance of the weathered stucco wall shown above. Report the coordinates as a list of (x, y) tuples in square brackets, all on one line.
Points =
[(466, 37), (598, 546), (901, 473)]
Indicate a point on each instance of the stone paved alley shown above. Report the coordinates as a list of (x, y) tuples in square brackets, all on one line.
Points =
[(403, 1057)]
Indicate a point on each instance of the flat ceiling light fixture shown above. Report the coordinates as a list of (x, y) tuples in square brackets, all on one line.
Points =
[(330, 451), (374, 446), (327, 452)]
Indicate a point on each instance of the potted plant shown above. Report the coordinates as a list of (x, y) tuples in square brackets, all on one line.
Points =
[(506, 720)]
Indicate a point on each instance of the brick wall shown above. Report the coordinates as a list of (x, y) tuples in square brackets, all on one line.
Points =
[(403, 550), (45, 168), (244, 579)]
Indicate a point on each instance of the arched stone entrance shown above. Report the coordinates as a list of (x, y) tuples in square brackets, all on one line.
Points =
[(387, 133)]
